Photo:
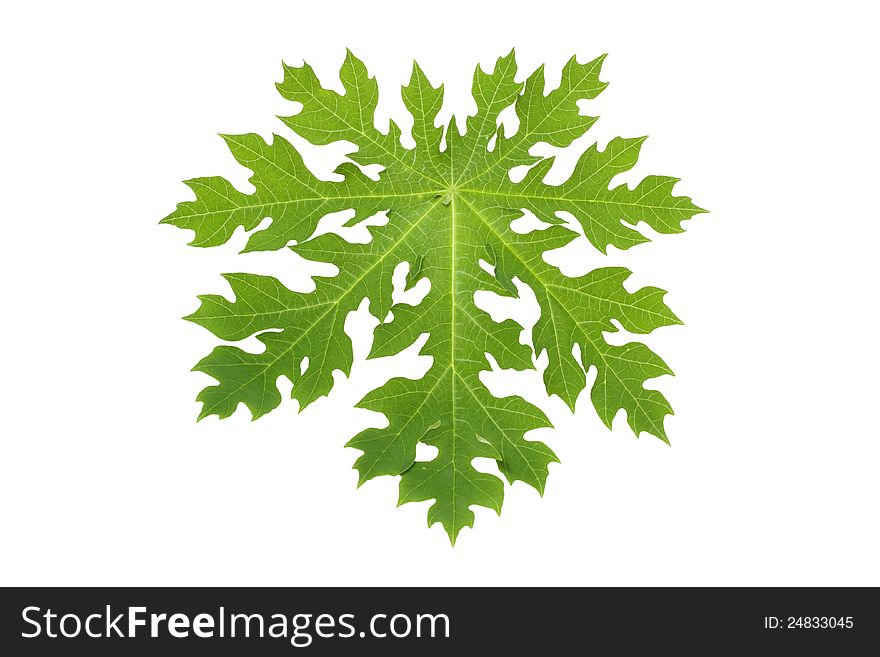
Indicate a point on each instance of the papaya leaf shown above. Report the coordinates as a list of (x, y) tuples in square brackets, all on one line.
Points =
[(450, 201)]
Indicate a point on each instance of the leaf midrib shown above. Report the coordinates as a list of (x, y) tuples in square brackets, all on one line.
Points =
[(367, 136), (334, 303), (559, 302)]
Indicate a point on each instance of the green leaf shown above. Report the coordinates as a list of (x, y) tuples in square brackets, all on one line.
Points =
[(450, 202)]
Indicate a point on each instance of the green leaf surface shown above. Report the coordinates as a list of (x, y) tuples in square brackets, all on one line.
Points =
[(450, 202)]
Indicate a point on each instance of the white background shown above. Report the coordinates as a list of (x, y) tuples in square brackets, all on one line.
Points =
[(767, 111)]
